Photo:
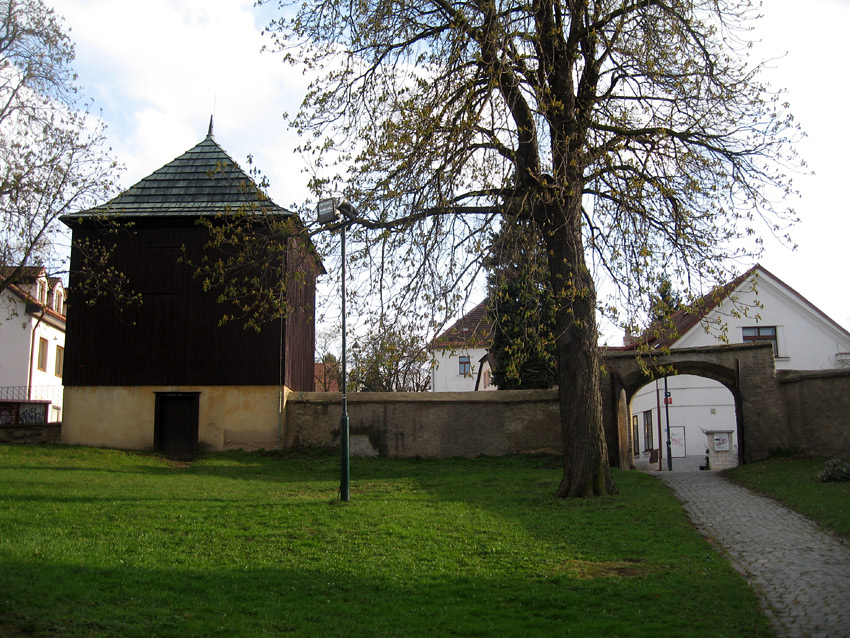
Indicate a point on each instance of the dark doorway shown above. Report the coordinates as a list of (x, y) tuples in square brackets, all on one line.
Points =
[(176, 423)]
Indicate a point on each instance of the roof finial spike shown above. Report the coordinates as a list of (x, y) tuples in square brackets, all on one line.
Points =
[(210, 131)]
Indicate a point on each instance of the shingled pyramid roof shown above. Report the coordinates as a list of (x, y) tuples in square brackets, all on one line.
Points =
[(203, 181)]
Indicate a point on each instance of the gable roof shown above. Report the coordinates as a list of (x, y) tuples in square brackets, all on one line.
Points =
[(684, 319), (474, 330), (202, 181), (27, 276)]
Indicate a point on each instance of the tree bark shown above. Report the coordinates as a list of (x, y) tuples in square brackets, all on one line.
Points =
[(586, 468)]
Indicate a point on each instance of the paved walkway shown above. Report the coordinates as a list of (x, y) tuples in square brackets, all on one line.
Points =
[(801, 573)]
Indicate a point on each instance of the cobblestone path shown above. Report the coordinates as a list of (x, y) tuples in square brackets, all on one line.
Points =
[(800, 573)]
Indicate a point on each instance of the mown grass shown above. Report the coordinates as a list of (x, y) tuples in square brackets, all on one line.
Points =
[(794, 482), (108, 543)]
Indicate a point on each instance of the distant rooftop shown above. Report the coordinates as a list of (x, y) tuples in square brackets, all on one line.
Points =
[(474, 330)]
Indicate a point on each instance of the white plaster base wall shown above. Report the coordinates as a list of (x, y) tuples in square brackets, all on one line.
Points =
[(446, 376), (230, 417)]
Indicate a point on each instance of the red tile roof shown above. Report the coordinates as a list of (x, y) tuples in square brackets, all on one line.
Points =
[(28, 275), (474, 329)]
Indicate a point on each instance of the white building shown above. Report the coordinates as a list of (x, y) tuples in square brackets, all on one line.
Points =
[(803, 338), (458, 352), (32, 347)]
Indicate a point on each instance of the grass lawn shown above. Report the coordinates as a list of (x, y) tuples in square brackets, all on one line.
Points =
[(794, 481), (108, 543)]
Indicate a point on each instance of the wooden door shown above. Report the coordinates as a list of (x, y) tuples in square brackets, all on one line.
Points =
[(176, 423)]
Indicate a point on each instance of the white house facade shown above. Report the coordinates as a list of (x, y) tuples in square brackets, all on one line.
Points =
[(759, 308), (457, 353), (32, 348)]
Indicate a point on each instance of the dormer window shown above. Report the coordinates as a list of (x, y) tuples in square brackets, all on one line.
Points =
[(58, 297), (42, 292)]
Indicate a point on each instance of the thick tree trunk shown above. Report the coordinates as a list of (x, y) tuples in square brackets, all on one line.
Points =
[(586, 468)]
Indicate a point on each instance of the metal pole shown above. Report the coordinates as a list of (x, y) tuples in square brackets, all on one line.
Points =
[(345, 467), (667, 414), (658, 406)]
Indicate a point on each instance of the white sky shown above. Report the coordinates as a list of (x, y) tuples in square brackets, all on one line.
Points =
[(158, 69)]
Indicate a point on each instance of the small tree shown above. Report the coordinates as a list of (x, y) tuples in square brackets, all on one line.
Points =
[(391, 359), (327, 369), (665, 302), (523, 309), (52, 155)]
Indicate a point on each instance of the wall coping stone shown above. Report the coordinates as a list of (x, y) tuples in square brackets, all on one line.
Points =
[(499, 396), (792, 376)]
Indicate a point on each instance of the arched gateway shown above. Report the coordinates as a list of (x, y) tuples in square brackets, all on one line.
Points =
[(748, 371)]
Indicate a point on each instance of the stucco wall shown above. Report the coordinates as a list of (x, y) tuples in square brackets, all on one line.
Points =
[(445, 424), (809, 411), (230, 417), (445, 375), (818, 409), (15, 330), (34, 433)]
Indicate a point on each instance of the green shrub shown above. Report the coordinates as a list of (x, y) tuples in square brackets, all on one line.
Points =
[(835, 470)]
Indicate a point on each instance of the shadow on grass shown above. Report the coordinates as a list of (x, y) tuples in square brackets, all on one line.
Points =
[(244, 544), (41, 599)]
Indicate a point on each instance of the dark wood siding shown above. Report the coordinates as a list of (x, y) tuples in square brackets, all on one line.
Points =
[(174, 338), (300, 336)]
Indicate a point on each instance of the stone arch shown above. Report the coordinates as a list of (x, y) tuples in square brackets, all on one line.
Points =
[(748, 372), (716, 372)]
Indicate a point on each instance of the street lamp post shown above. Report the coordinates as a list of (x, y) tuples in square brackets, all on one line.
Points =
[(330, 210)]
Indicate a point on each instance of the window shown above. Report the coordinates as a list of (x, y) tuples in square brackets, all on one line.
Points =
[(42, 292), (42, 354), (635, 436), (762, 334), (647, 430), (60, 360), (57, 302), (464, 367)]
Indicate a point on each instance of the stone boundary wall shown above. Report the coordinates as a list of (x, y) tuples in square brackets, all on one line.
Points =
[(468, 424), (817, 405), (428, 425), (30, 433)]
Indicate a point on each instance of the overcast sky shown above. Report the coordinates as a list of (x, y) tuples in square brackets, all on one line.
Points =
[(158, 69)]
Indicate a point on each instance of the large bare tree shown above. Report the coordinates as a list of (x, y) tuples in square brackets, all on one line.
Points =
[(635, 134), (53, 156)]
